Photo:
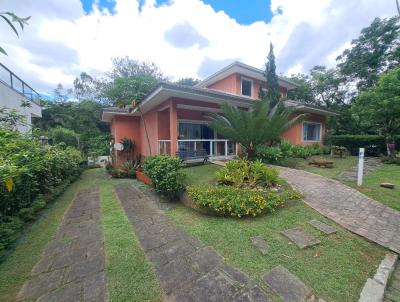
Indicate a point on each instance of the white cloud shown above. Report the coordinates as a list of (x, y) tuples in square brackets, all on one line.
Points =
[(61, 40)]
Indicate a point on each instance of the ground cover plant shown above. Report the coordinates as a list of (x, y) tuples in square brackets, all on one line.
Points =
[(31, 175)]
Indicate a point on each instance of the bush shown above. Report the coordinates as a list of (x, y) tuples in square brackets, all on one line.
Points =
[(28, 171), (232, 201), (268, 154), (391, 160), (374, 145), (244, 173), (166, 174), (130, 169)]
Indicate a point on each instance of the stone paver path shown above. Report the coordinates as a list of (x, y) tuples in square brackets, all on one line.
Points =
[(187, 270), (300, 238), (72, 265), (348, 207), (370, 164), (327, 229)]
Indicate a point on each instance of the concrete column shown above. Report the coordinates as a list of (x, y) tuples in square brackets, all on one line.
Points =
[(173, 127)]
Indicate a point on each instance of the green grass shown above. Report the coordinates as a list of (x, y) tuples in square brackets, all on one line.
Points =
[(371, 188), (200, 175), (336, 269), (129, 275), (339, 165)]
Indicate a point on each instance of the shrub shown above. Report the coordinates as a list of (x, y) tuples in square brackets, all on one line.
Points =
[(244, 173), (268, 154), (166, 174), (129, 168), (374, 144), (28, 171), (232, 201), (391, 160), (301, 152)]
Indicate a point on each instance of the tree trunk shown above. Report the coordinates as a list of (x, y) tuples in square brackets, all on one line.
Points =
[(251, 154)]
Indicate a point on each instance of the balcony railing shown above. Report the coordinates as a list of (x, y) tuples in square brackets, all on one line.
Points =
[(8, 78), (215, 148)]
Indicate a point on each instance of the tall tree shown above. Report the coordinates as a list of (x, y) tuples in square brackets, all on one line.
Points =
[(126, 67), (263, 124), (376, 50), (379, 107), (273, 94)]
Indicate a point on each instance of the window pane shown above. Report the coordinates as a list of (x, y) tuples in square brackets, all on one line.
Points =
[(311, 132), (246, 87)]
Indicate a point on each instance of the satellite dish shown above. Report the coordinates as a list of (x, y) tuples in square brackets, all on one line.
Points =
[(119, 147)]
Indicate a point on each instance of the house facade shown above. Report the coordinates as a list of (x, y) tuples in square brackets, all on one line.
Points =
[(174, 117), (18, 95)]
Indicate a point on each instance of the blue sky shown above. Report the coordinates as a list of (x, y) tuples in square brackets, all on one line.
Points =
[(243, 11)]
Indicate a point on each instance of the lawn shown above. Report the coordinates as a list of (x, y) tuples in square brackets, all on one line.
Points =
[(339, 165), (371, 188), (336, 269), (129, 275)]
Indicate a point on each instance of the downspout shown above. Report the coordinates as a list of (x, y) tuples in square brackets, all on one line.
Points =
[(145, 127)]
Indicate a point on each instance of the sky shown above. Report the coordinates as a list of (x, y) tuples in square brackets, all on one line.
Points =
[(185, 38)]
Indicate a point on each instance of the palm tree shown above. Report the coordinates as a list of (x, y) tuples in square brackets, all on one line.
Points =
[(262, 124)]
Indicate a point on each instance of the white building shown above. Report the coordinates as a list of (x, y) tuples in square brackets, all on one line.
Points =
[(14, 93)]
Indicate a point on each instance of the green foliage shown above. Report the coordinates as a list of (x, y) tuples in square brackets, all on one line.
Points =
[(187, 81), (130, 168), (166, 174), (122, 91), (379, 107), (251, 128), (63, 135), (242, 173), (391, 160), (11, 18), (374, 51), (34, 171), (278, 154), (10, 118), (273, 93), (373, 144), (238, 202)]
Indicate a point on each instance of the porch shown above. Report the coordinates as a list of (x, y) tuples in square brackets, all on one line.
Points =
[(184, 128)]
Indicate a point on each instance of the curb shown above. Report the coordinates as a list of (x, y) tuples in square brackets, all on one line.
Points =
[(374, 289)]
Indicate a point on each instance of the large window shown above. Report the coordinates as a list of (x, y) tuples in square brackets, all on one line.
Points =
[(247, 87), (195, 131), (311, 132)]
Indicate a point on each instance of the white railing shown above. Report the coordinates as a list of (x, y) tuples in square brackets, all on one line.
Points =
[(214, 147), (164, 146)]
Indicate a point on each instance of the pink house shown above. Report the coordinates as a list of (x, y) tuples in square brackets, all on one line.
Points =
[(175, 116)]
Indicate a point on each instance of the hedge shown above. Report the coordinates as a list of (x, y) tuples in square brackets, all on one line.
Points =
[(374, 145), (31, 175)]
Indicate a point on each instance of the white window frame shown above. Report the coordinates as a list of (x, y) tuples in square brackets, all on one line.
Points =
[(320, 132), (241, 86)]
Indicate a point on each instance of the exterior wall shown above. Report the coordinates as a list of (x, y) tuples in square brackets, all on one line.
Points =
[(295, 135), (228, 84), (151, 120), (11, 99), (233, 84), (126, 127)]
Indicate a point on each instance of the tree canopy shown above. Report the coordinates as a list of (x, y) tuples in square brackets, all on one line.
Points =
[(379, 107), (272, 94)]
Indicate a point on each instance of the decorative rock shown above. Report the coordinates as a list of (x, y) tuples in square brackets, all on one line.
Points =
[(327, 229), (387, 185), (300, 238), (286, 285), (260, 244)]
